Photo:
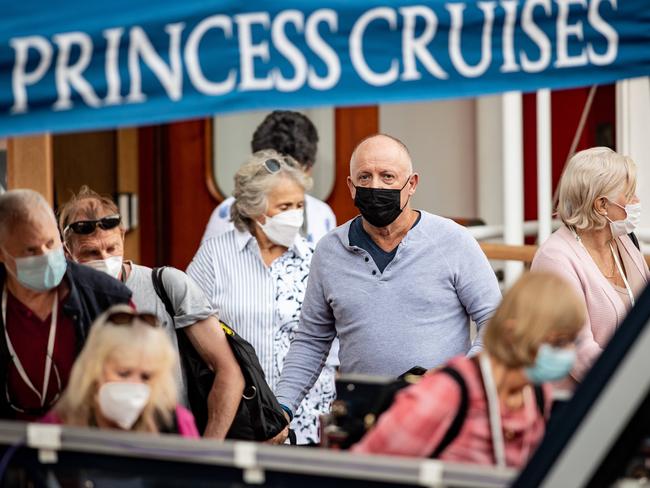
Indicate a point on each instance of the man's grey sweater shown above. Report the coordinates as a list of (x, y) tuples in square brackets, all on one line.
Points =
[(415, 313)]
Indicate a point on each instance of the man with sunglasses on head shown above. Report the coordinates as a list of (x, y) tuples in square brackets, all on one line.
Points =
[(93, 235), (48, 305), (398, 285)]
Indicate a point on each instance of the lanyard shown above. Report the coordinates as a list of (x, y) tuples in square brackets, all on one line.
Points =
[(50, 349), (494, 411), (616, 260), (620, 270)]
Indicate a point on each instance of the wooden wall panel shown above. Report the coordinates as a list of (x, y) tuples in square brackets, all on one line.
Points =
[(127, 182), (30, 164), (87, 158), (351, 126), (189, 203), (149, 156)]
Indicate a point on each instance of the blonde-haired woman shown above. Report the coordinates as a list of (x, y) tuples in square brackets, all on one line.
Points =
[(528, 342), (592, 250), (123, 379)]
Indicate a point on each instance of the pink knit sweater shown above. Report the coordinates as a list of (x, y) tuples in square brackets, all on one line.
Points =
[(562, 254)]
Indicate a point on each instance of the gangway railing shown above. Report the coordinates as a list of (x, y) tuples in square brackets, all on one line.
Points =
[(165, 460), (525, 253)]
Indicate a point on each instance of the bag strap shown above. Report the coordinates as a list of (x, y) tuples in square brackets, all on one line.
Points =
[(539, 399), (635, 240), (159, 286), (461, 414)]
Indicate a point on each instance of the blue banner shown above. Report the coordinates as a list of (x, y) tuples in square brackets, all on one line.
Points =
[(77, 65)]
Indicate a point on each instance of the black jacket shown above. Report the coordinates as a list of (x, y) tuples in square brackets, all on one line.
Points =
[(91, 292)]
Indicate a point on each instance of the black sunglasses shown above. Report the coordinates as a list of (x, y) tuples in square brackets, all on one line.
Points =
[(127, 318), (86, 227)]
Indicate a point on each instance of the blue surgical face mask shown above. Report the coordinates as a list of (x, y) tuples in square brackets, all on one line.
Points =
[(40, 273), (551, 364)]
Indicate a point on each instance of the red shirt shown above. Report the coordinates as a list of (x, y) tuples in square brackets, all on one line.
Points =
[(29, 336), (421, 415)]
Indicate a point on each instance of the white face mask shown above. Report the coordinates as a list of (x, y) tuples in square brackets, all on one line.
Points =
[(123, 402), (111, 266), (629, 223), (283, 228)]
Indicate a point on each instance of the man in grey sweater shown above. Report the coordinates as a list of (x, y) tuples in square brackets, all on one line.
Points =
[(398, 285)]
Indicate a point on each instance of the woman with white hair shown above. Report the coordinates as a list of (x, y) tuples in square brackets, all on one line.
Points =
[(592, 250), (124, 379), (255, 275)]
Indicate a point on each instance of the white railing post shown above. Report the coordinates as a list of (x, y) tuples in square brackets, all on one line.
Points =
[(513, 180), (544, 165), (632, 122)]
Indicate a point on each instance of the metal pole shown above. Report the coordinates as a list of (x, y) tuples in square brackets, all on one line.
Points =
[(513, 180), (544, 165)]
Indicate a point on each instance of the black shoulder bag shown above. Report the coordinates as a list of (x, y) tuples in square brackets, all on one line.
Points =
[(259, 416)]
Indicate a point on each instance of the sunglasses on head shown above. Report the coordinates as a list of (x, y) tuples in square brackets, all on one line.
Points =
[(273, 165), (127, 318), (86, 227)]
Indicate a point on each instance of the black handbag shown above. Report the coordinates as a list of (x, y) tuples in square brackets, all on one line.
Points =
[(259, 416)]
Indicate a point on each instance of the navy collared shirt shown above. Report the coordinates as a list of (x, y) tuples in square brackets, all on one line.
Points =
[(360, 238)]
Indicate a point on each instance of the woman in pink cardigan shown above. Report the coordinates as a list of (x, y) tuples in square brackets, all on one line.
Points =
[(592, 250)]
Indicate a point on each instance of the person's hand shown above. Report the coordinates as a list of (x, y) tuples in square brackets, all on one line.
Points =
[(282, 436)]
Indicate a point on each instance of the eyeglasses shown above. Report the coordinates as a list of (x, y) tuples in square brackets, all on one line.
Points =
[(124, 317), (38, 411), (85, 227)]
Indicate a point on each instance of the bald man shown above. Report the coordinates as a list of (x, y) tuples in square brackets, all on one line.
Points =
[(398, 285), (48, 305)]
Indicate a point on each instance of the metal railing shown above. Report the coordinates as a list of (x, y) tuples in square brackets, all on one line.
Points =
[(198, 462)]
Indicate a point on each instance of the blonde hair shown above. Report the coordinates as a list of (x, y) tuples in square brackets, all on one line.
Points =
[(537, 305), (121, 342), (253, 182), (591, 174)]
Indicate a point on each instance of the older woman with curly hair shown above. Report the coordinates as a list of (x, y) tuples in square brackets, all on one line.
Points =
[(592, 250), (124, 379), (255, 275)]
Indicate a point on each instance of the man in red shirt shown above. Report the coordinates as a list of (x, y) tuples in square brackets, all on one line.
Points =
[(48, 305)]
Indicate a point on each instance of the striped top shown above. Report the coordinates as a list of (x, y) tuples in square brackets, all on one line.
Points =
[(263, 304)]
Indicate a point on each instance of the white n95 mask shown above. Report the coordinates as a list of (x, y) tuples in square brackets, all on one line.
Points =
[(111, 266), (282, 229), (123, 402)]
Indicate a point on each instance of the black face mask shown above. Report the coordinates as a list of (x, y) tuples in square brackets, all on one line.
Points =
[(379, 206)]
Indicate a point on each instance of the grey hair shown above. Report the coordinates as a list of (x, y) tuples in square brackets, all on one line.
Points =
[(253, 183), (20, 206)]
